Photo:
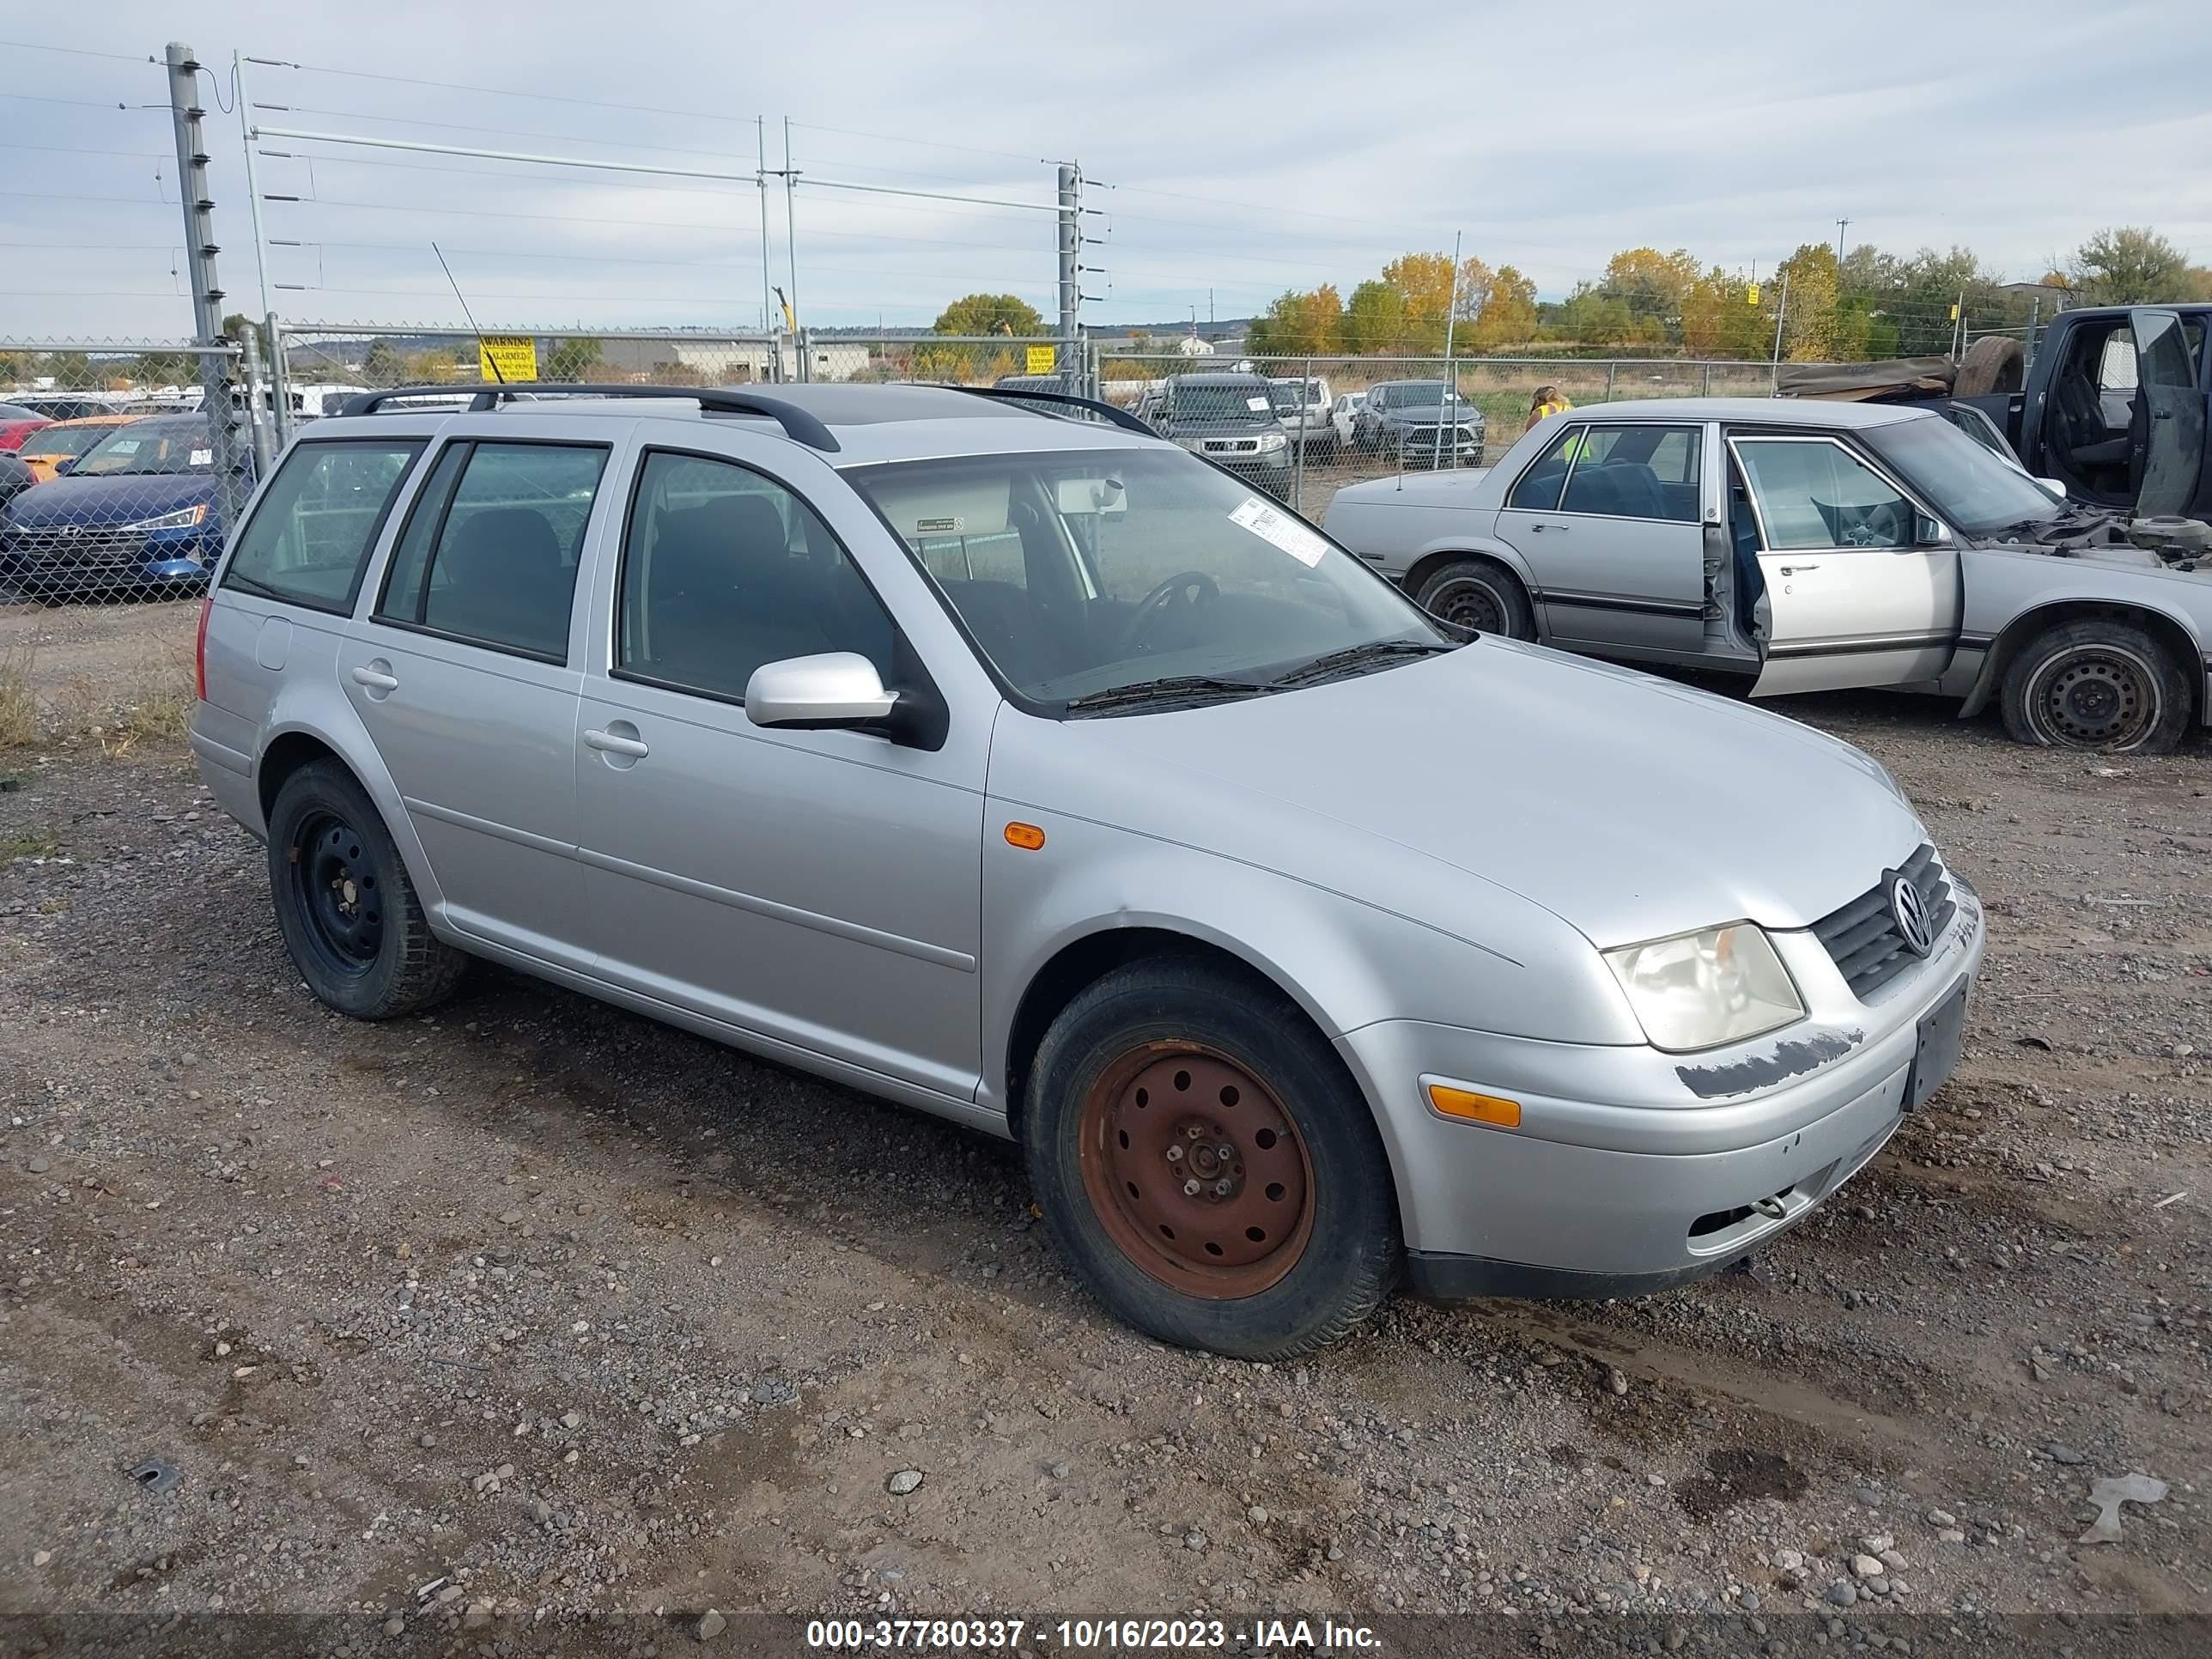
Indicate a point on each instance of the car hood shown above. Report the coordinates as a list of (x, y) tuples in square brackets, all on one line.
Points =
[(123, 500), (1629, 807), (1433, 415)]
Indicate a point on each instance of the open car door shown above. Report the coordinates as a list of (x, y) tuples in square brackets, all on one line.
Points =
[(1859, 587), (2171, 440)]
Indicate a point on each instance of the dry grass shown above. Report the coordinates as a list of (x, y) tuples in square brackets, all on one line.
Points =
[(150, 701), (18, 702)]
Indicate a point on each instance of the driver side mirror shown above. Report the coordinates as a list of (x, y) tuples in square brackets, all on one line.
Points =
[(64, 466), (2056, 486), (835, 690), (1929, 532)]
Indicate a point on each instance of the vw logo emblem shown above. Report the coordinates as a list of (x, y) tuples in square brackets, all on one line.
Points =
[(1909, 912)]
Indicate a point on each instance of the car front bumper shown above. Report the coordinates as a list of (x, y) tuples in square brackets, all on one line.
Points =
[(1633, 1169), (81, 558)]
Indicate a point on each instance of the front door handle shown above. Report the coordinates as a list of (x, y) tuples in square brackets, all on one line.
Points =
[(1561, 528), (369, 675), (1794, 569), (614, 742)]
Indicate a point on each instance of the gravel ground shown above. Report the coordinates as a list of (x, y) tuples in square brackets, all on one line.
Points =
[(534, 1310)]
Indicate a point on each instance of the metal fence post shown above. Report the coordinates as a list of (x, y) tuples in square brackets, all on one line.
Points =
[(1305, 437), (1612, 369), (1705, 387), (279, 381), (184, 114), (258, 420)]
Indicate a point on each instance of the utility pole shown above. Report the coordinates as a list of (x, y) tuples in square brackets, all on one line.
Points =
[(791, 247), (200, 249), (1070, 281), (1842, 225), (760, 167)]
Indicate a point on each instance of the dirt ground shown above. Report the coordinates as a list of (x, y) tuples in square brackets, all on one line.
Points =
[(533, 1309)]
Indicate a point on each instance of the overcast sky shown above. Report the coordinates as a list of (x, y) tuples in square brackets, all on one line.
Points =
[(1249, 148)]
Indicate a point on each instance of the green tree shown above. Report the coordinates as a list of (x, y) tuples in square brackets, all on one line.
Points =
[(573, 359), (1652, 286), (989, 313), (383, 364), (1809, 325), (237, 325), (1374, 320), (2129, 264)]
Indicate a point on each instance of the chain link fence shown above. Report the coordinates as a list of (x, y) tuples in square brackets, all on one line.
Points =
[(1342, 420)]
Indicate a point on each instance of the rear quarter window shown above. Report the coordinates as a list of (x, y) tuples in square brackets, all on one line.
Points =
[(308, 541)]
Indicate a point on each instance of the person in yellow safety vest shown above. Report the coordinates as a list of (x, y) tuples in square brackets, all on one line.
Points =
[(1547, 401)]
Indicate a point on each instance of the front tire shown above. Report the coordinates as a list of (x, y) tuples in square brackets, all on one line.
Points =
[(1478, 594), (2098, 685), (350, 917), (1206, 1165)]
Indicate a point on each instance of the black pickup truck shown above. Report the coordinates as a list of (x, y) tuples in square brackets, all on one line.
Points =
[(2114, 407)]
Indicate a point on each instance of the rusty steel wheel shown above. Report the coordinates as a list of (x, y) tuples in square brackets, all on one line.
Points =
[(1196, 1172), (1207, 1165)]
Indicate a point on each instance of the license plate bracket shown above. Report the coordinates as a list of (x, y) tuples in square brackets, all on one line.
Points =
[(1940, 1039)]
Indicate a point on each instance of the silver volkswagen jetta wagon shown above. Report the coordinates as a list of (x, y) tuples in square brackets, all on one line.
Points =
[(1004, 760)]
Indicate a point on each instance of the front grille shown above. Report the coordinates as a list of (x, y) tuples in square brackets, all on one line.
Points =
[(1862, 936), (74, 548), (1231, 446)]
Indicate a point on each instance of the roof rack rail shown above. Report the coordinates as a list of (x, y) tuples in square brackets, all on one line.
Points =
[(1014, 394), (797, 423)]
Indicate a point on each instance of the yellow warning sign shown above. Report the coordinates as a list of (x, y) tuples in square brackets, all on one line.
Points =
[(1041, 359), (509, 357), (1751, 295)]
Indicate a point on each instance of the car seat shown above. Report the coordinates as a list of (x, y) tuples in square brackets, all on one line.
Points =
[(2081, 418), (506, 582)]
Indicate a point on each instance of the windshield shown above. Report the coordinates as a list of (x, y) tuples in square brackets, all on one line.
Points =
[(1414, 392), (149, 446), (1083, 572), (60, 441), (1962, 480), (1236, 400)]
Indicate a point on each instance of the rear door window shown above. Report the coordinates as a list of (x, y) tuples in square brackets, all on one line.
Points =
[(1637, 472), (308, 541), (1537, 490), (490, 552)]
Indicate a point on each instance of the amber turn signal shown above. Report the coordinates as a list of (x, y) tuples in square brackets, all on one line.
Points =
[(1471, 1107), (1027, 836)]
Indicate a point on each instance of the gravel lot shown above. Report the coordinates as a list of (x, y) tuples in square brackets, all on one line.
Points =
[(560, 1312)]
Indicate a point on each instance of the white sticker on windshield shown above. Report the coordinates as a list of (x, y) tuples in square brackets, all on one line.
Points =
[(122, 445), (201, 457), (1272, 526), (1256, 403)]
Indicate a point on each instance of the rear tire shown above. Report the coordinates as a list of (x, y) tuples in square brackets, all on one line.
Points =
[(1168, 1075), (351, 920), (1479, 595), (2097, 685)]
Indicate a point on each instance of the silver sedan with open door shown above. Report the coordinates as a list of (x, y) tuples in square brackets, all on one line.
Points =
[(1808, 547)]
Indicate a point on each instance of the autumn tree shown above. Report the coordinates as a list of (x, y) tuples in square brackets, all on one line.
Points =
[(1374, 320), (1300, 326), (1508, 316), (383, 364), (1810, 276), (1651, 285)]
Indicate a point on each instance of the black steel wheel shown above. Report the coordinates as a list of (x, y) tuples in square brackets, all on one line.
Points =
[(349, 912), (2097, 684), (1478, 594)]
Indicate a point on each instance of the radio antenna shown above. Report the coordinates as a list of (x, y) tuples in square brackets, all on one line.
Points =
[(490, 361)]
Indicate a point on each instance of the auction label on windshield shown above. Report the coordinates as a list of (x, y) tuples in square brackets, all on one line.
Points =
[(1280, 529)]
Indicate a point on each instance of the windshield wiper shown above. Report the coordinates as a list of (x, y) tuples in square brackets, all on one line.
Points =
[(1183, 688), (1358, 656)]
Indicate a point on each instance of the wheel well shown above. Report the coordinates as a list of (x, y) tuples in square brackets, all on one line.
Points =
[(1429, 563), (2023, 629), (291, 752), (1083, 963)]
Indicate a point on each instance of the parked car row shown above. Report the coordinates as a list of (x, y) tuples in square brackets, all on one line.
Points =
[(117, 504), (1259, 427)]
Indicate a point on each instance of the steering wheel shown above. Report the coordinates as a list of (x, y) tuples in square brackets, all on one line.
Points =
[(1156, 604), (1885, 524)]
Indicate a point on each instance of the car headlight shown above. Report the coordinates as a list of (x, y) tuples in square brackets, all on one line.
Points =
[(1271, 440), (183, 518), (1700, 990)]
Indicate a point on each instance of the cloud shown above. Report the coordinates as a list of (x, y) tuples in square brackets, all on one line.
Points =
[(1234, 151)]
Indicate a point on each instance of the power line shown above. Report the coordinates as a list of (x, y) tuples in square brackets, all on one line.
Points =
[(934, 143), (81, 103), (80, 52), (83, 149), (694, 152), (510, 92)]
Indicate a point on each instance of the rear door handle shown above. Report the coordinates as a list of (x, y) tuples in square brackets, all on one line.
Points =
[(614, 742), (375, 678), (1561, 528)]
